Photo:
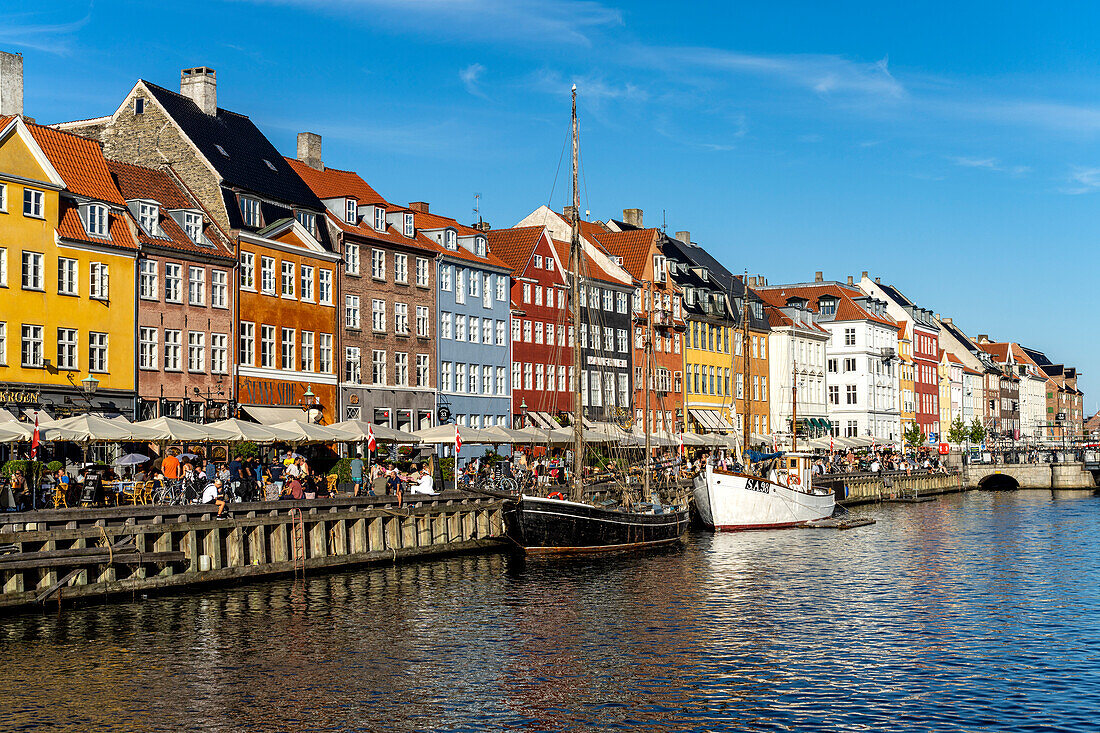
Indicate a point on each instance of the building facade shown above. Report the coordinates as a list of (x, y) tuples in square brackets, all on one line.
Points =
[(796, 364)]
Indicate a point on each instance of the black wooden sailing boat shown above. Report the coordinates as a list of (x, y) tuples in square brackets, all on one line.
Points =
[(545, 525)]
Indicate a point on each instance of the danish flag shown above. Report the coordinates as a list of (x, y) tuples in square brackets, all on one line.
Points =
[(34, 439), (458, 441), (372, 444)]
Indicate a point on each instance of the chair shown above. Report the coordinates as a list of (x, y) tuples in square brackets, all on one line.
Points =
[(60, 501), (147, 492)]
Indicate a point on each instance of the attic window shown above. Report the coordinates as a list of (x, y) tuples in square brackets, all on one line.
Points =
[(479, 246), (271, 165), (222, 150), (250, 211), (139, 105), (409, 225), (192, 225), (450, 239), (149, 218), (307, 220), (379, 218), (618, 260), (95, 220), (827, 306), (351, 210)]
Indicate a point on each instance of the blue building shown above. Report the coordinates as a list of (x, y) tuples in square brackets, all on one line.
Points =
[(472, 310)]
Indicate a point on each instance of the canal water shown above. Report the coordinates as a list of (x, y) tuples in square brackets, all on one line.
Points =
[(975, 612)]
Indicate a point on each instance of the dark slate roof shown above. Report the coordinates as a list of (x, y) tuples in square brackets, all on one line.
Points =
[(693, 254), (246, 148), (894, 294), (271, 213), (1038, 357)]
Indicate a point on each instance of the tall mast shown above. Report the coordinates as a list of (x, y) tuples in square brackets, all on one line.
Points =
[(794, 398), (648, 388), (576, 254), (746, 377)]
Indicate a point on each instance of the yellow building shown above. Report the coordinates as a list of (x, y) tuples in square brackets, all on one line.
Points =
[(67, 274), (906, 389), (709, 374)]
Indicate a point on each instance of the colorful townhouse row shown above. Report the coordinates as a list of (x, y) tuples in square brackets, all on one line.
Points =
[(166, 259)]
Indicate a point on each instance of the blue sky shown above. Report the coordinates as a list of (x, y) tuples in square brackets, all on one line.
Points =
[(952, 149)]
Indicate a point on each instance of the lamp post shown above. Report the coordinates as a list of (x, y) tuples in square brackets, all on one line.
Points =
[(88, 386), (523, 413), (309, 404)]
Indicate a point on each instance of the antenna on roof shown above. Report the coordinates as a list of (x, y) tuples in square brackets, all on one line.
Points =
[(477, 207), (664, 221)]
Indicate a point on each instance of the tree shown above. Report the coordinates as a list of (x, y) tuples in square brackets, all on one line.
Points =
[(977, 431), (914, 436), (958, 432)]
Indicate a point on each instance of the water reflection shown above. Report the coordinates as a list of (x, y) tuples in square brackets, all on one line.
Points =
[(973, 612)]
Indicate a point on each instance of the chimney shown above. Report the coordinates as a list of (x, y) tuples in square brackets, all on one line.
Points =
[(200, 85), (309, 150), (819, 276), (420, 206), (684, 237), (633, 217), (752, 280), (983, 338), (11, 83), (948, 321), (482, 226), (878, 281), (850, 280), (568, 212), (864, 276)]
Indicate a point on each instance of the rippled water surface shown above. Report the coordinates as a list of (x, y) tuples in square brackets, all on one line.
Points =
[(976, 612)]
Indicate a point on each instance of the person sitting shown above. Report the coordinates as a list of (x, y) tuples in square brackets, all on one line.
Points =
[(214, 493), (293, 490), (422, 481)]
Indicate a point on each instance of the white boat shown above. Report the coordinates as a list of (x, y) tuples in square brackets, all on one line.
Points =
[(785, 497)]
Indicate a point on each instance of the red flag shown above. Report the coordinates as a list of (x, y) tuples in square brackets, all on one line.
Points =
[(372, 444), (830, 444), (681, 435), (34, 439), (458, 441)]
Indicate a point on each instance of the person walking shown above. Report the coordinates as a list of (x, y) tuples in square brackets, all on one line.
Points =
[(356, 467)]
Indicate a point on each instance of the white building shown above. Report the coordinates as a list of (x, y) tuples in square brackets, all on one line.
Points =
[(860, 356), (797, 348)]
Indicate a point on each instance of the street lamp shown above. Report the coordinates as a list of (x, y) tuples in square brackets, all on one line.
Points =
[(313, 410), (523, 413)]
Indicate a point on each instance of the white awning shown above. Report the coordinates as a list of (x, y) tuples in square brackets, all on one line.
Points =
[(543, 420), (723, 423), (43, 416), (273, 415), (709, 419)]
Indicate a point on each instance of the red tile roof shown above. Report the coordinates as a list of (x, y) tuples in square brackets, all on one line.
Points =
[(424, 220), (846, 310), (79, 161), (999, 350), (593, 269), (334, 183), (635, 246), (778, 319), (71, 227), (515, 246)]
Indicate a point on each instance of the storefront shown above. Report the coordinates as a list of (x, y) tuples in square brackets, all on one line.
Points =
[(402, 409), (23, 400)]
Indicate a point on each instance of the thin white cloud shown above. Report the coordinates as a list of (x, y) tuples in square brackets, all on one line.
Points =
[(470, 77), (990, 164), (18, 30), (1082, 180)]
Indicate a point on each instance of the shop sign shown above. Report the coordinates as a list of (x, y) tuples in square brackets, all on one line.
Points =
[(20, 396)]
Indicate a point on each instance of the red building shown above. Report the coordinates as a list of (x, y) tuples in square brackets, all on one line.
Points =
[(926, 384), (541, 353)]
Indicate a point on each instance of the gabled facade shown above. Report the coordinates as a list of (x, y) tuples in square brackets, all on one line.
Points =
[(1064, 401), (797, 362), (860, 357), (473, 307), (186, 300), (386, 345), (67, 261), (906, 395), (287, 264), (541, 352)]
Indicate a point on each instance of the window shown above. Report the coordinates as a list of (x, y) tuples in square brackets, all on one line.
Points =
[(3, 255), (32, 346), (196, 351), (422, 320), (248, 271), (460, 327), (267, 275), (379, 218), (351, 210), (852, 430), (173, 343), (501, 380), (850, 394), (307, 220), (538, 295), (192, 226), (849, 337), (517, 376), (100, 285), (250, 211), (324, 287), (147, 348), (623, 340), (288, 278), (422, 370), (460, 285), (196, 286), (306, 363), (97, 351), (66, 276), (267, 347), (620, 302), (475, 285), (537, 261), (3, 197), (446, 371), (287, 344), (460, 377), (516, 325), (219, 288), (306, 279), (351, 258), (378, 314), (527, 332), (502, 287), (624, 388), (445, 277), (378, 367), (351, 311), (66, 348), (849, 365), (538, 332), (832, 366), (401, 369), (487, 292), (502, 334), (450, 240), (219, 353), (475, 324), (32, 203), (401, 268), (324, 353), (32, 271), (422, 276), (352, 365), (377, 264), (445, 325), (540, 385), (527, 292), (401, 318), (408, 229), (834, 395), (528, 376), (608, 339), (607, 305), (95, 220)]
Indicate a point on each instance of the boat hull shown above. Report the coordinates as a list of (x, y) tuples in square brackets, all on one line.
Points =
[(728, 501), (542, 526)]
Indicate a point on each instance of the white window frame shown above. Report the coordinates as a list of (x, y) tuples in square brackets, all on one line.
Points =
[(196, 352), (95, 220), (401, 268), (219, 289), (248, 271), (99, 358), (33, 270), (196, 285), (173, 350), (147, 280), (67, 274), (33, 203)]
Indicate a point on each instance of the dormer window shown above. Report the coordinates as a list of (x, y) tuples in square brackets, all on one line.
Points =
[(480, 247), (450, 239), (149, 218), (827, 306), (307, 220), (351, 211), (192, 225), (409, 226), (250, 211), (95, 220), (379, 219), (659, 268)]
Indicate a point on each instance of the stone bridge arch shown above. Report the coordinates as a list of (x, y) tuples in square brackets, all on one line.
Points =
[(998, 482)]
